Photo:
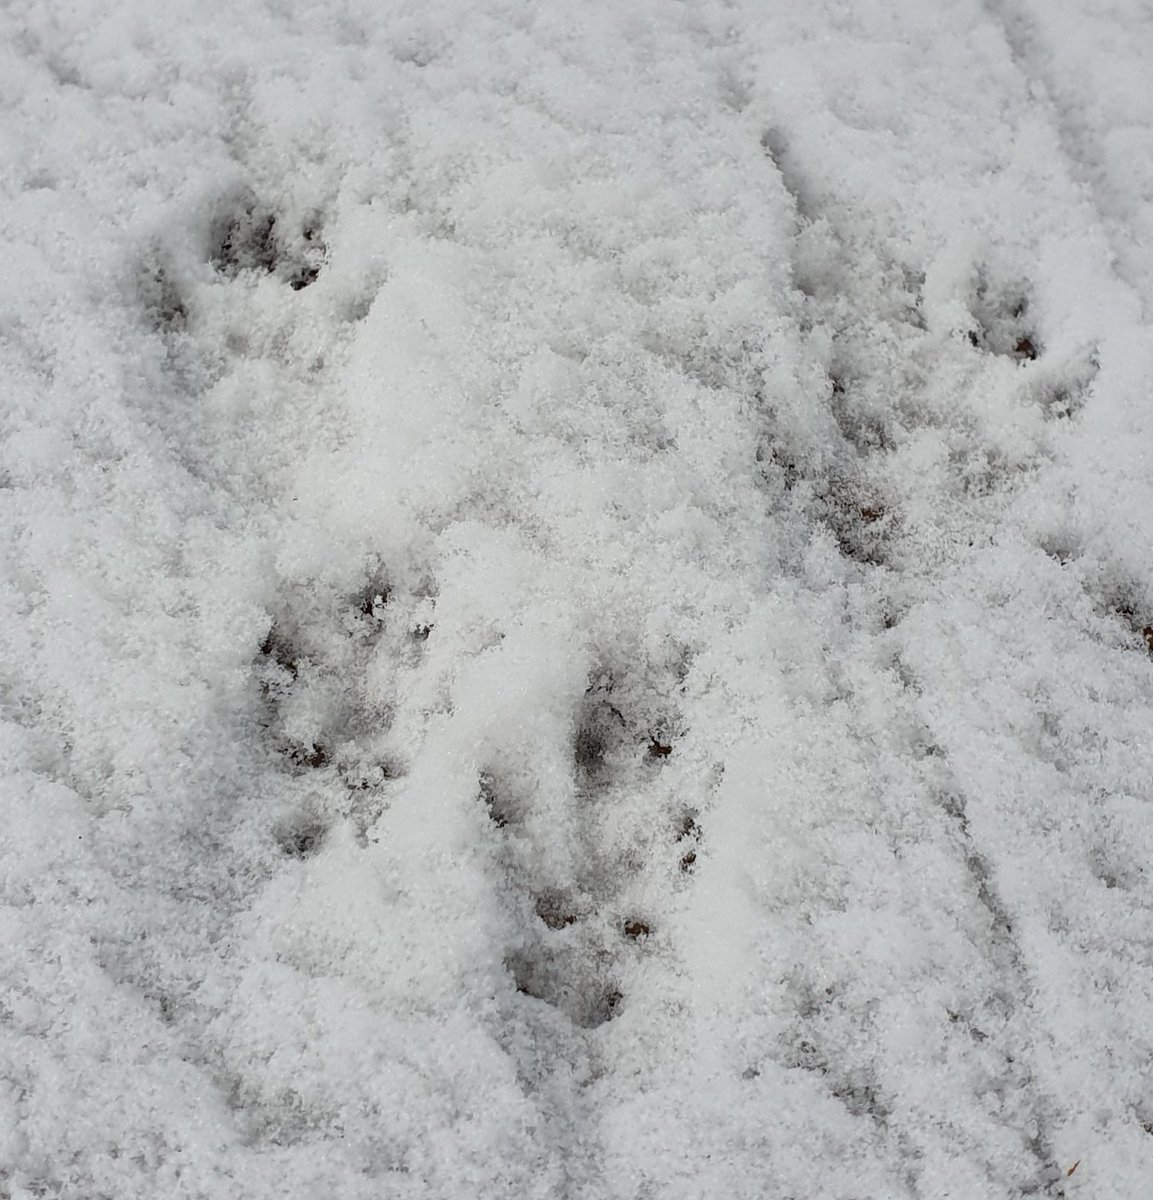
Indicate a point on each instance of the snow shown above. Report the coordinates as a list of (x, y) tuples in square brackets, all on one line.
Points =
[(573, 600)]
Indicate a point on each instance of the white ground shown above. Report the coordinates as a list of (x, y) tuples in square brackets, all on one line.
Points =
[(572, 595)]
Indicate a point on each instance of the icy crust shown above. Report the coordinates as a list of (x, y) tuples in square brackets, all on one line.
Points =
[(575, 607)]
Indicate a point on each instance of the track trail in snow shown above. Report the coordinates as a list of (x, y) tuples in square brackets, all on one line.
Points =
[(607, 543), (1080, 142), (872, 313)]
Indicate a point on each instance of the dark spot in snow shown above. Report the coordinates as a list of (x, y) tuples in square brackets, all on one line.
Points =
[(1135, 616), (637, 929), (524, 976), (1063, 404), (1061, 549), (304, 275), (393, 768), (301, 841), (966, 1023), (659, 749), (279, 648), (254, 238), (373, 599), (493, 795), (1025, 348), (554, 912), (790, 471), (591, 743), (312, 755), (804, 1054), (862, 1099), (601, 733), (999, 312), (854, 527), (246, 241), (162, 300), (688, 830), (363, 777)]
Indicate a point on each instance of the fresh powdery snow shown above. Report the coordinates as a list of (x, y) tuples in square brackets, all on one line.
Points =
[(576, 600)]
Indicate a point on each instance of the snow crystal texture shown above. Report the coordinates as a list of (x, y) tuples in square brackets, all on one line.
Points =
[(576, 600)]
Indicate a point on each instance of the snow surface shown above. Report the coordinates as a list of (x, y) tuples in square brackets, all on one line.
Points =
[(574, 597)]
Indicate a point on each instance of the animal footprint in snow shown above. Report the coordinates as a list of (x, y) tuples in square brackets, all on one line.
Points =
[(301, 839), (251, 237), (1001, 323), (688, 837)]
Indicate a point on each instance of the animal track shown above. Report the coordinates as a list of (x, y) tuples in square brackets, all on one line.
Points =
[(874, 331), (864, 314), (497, 800), (301, 839), (1136, 619), (803, 1045), (775, 144), (1063, 403), (859, 521), (372, 599), (1001, 323), (687, 841), (555, 910), (1000, 1010), (312, 756), (278, 648), (321, 668), (253, 238), (577, 925), (1062, 396), (600, 731), (161, 298), (862, 424), (244, 241)]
